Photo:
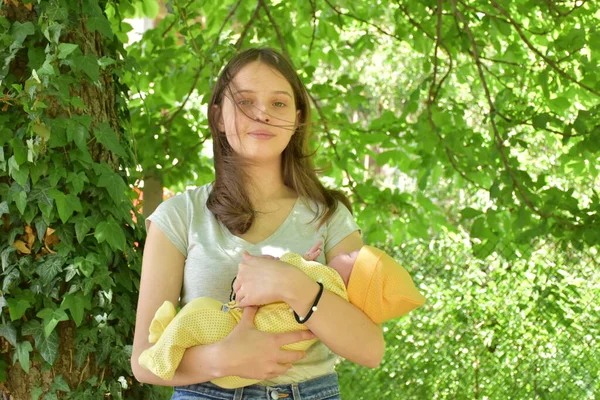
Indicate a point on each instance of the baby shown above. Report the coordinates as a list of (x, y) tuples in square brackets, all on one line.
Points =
[(369, 279)]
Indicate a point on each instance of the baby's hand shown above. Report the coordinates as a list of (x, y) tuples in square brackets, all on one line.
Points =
[(314, 252)]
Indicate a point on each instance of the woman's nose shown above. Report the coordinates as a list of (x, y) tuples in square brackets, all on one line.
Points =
[(260, 114)]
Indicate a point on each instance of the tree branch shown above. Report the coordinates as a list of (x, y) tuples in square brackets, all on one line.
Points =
[(498, 139), (333, 146), (231, 13), (539, 53), (240, 41), (276, 27), (313, 6)]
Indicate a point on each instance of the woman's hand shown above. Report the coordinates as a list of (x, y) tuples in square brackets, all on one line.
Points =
[(263, 281), (249, 353)]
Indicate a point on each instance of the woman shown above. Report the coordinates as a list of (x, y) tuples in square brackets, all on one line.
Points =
[(266, 198)]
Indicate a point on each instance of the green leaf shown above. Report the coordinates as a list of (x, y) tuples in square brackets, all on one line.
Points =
[(4, 208), (21, 201), (111, 181), (77, 181), (559, 105), (469, 213), (101, 24), (17, 308), (47, 346), (42, 130), (64, 49), (89, 65), (541, 120), (76, 303), (79, 134), (36, 392), (49, 268), (20, 31), (9, 332), (111, 232), (60, 384), (66, 204), (22, 354), (108, 137), (51, 318), (82, 227)]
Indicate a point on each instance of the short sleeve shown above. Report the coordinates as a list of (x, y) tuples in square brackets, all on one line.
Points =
[(340, 225), (171, 216)]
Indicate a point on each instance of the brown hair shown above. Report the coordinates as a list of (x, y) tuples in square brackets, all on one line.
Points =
[(228, 199)]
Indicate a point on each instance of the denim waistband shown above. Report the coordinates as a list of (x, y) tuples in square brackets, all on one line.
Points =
[(320, 388)]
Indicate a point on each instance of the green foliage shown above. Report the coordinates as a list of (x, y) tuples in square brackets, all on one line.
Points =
[(472, 116), (69, 233), (503, 327)]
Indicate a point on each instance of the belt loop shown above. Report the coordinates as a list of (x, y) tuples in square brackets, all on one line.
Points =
[(295, 391), (238, 393)]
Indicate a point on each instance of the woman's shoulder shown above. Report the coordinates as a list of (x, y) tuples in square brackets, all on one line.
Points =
[(191, 195)]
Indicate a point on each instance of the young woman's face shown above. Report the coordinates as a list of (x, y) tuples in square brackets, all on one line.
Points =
[(259, 114)]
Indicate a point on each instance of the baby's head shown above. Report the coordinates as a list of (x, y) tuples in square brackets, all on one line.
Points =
[(344, 260), (343, 264)]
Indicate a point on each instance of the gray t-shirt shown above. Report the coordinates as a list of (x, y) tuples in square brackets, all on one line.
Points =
[(213, 253)]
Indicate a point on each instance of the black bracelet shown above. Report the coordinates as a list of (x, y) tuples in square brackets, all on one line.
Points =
[(302, 320)]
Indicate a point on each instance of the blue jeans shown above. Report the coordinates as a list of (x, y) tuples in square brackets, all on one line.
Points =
[(324, 387)]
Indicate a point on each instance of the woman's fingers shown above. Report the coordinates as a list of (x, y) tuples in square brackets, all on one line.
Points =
[(293, 337), (289, 356), (248, 315), (278, 370)]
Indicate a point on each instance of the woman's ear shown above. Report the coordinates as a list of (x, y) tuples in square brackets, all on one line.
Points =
[(219, 116)]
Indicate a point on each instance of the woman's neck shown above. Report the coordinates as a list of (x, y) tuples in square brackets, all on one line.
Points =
[(266, 184)]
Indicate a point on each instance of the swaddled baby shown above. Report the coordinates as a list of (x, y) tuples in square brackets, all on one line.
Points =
[(368, 278)]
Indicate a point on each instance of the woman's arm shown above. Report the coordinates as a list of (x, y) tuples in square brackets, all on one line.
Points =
[(162, 278), (337, 323)]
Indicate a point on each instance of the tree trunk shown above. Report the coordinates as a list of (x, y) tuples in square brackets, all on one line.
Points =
[(73, 258)]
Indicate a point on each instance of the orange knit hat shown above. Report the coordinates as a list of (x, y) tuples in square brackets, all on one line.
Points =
[(381, 287)]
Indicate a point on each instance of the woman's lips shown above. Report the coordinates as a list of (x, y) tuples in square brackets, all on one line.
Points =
[(261, 135)]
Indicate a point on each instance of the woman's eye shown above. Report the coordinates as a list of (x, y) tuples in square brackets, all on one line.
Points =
[(279, 104), (244, 102)]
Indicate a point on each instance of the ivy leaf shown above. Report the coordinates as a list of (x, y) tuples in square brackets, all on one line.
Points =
[(76, 303), (36, 392), (101, 24), (108, 137), (111, 181), (51, 318), (47, 346), (82, 227), (111, 232), (21, 201), (4, 208), (64, 49), (89, 65), (79, 134), (9, 332), (77, 180), (48, 269), (42, 130), (20, 31), (66, 204), (56, 12), (17, 308), (22, 354), (59, 384)]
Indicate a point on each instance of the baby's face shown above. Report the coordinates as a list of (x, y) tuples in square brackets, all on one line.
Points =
[(344, 260)]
